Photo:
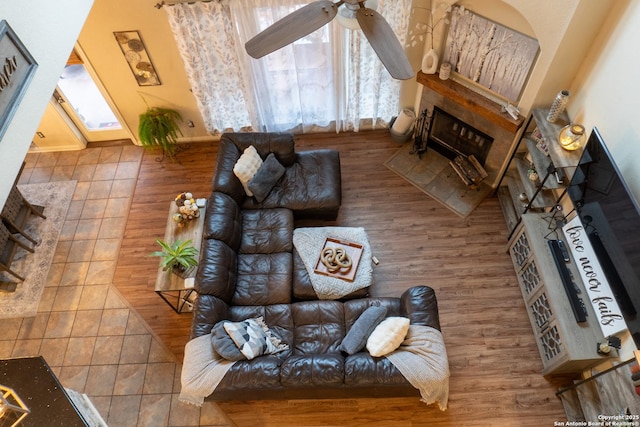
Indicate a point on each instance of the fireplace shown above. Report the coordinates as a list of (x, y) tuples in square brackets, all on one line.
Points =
[(480, 114), (452, 137)]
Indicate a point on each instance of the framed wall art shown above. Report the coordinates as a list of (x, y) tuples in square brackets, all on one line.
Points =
[(489, 54), (17, 67), (136, 55)]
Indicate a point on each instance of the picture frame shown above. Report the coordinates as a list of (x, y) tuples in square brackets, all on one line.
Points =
[(17, 67), (136, 55), (489, 54)]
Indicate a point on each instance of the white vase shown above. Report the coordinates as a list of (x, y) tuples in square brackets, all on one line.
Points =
[(430, 62)]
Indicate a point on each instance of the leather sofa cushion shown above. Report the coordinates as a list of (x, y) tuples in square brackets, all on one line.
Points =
[(259, 373), (362, 369), (266, 231), (312, 370), (303, 289), (207, 311), (224, 180), (312, 183), (217, 274), (420, 305), (263, 279), (319, 327), (277, 317), (223, 220), (282, 144)]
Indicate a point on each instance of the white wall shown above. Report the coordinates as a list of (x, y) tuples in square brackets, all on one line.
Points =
[(48, 30), (606, 92)]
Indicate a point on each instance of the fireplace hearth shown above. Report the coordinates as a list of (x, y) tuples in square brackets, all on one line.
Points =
[(452, 137)]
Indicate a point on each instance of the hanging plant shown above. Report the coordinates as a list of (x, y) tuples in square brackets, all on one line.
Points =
[(158, 127)]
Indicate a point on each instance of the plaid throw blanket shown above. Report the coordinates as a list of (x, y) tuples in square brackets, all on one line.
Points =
[(202, 370), (422, 360)]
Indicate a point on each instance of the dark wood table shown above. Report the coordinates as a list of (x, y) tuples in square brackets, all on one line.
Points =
[(32, 380)]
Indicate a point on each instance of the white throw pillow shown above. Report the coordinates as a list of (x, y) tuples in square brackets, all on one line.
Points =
[(387, 336), (247, 166)]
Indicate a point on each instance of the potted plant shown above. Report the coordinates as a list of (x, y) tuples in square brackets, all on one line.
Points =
[(177, 257), (158, 127)]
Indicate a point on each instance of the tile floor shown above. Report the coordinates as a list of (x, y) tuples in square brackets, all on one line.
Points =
[(93, 341)]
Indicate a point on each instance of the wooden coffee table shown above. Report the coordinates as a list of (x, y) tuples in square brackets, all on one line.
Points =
[(175, 291)]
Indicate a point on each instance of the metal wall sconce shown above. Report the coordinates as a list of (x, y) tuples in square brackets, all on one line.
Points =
[(137, 57), (12, 408)]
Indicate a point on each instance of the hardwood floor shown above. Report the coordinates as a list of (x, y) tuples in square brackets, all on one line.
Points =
[(495, 365)]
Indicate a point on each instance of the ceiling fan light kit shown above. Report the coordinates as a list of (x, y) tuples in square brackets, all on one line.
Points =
[(347, 13), (311, 17)]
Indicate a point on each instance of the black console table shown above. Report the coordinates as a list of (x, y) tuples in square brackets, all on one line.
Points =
[(32, 380)]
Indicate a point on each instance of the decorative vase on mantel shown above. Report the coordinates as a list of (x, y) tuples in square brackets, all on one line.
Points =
[(558, 106), (430, 62)]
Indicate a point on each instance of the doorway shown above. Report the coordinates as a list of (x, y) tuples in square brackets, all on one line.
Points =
[(81, 98), (79, 112)]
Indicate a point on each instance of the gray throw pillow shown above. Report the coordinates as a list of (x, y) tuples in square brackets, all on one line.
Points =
[(266, 178), (224, 345), (356, 338)]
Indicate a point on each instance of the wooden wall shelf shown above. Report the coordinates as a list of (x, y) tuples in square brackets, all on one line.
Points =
[(471, 100)]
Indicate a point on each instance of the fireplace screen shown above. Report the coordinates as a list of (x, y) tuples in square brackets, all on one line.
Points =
[(452, 137)]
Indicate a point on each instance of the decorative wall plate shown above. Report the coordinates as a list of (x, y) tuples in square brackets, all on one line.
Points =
[(133, 57), (135, 53)]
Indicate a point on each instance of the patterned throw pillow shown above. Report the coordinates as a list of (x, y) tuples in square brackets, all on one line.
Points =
[(253, 338), (247, 166), (223, 344)]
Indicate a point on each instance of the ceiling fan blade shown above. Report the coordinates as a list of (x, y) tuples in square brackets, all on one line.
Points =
[(292, 27), (385, 43)]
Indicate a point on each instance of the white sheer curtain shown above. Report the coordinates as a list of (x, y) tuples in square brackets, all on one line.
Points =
[(329, 80), (369, 92), (294, 85), (208, 43)]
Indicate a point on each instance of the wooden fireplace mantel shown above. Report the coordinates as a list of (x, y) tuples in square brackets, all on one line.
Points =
[(471, 100)]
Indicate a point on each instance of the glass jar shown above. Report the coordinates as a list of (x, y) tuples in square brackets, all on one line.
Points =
[(572, 137)]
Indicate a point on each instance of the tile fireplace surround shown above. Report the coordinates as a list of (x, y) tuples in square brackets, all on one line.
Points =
[(477, 111)]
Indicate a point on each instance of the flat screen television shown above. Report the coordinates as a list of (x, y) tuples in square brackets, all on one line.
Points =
[(611, 217)]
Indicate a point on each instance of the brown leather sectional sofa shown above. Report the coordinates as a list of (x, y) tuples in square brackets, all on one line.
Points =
[(249, 268)]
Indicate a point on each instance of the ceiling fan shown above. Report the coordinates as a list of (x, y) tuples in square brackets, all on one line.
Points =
[(309, 18)]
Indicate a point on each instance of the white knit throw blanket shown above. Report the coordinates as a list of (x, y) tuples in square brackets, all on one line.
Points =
[(422, 360), (309, 242), (202, 370)]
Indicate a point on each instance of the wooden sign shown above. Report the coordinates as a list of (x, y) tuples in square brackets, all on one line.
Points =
[(601, 297), (17, 67)]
